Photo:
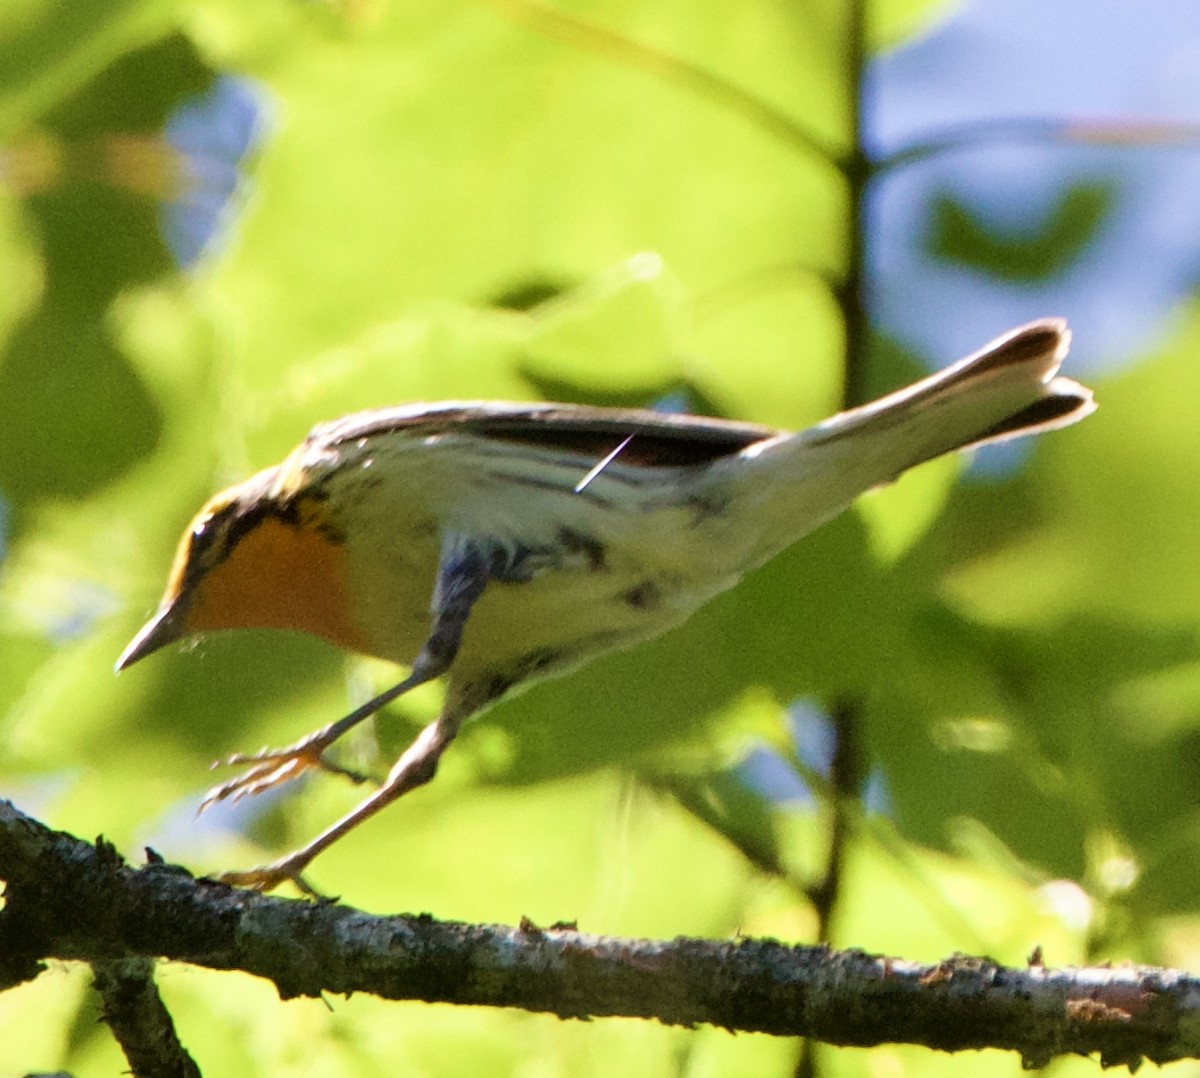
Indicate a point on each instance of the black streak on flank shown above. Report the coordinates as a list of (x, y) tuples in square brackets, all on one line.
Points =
[(643, 596), (592, 549), (706, 506), (498, 682)]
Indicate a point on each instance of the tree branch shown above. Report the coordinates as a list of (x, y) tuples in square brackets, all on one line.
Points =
[(142, 1025), (67, 899)]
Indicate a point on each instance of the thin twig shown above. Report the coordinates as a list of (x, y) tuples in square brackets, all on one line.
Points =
[(1045, 131), (574, 30)]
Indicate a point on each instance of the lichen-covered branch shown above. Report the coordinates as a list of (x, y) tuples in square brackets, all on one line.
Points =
[(141, 1023), (67, 899)]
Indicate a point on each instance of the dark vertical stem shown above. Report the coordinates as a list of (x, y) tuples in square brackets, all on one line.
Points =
[(846, 714), (856, 167), (846, 776)]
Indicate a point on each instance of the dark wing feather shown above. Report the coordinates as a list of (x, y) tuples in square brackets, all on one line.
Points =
[(659, 439)]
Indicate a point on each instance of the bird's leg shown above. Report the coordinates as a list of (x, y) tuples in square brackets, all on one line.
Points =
[(463, 571), (416, 766), (273, 767)]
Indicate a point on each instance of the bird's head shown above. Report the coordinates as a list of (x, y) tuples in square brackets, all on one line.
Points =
[(255, 556)]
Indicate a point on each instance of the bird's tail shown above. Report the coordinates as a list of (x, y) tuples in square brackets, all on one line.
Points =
[(1008, 389)]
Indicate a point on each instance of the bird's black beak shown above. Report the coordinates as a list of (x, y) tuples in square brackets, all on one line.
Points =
[(162, 629)]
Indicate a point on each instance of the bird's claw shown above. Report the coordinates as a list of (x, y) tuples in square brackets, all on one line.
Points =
[(268, 877), (266, 773), (270, 768)]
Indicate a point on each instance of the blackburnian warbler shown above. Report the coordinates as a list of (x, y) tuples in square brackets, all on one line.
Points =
[(533, 537)]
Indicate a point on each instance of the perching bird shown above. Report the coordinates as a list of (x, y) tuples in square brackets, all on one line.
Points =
[(497, 543)]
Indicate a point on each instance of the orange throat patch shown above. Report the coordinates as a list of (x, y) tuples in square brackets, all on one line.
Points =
[(280, 576)]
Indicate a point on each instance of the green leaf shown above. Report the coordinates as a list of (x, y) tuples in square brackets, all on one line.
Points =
[(621, 333), (52, 47), (958, 234)]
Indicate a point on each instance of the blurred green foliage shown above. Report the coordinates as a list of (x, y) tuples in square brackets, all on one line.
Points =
[(449, 203), (959, 235)]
